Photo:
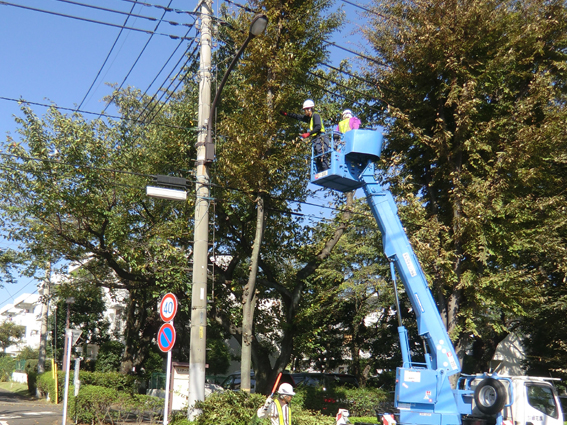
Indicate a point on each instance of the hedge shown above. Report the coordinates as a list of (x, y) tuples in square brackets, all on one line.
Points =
[(99, 405)]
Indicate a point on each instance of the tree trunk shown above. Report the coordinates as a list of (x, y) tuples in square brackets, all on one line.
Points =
[(249, 301), (129, 336)]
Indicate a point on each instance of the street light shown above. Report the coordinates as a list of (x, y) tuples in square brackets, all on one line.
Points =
[(257, 27), (206, 155)]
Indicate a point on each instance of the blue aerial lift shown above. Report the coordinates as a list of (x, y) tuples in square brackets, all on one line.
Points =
[(423, 394)]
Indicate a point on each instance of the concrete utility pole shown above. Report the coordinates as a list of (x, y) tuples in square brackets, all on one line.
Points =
[(205, 155), (46, 287)]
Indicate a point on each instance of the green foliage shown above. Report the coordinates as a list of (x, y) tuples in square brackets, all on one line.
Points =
[(239, 408), (46, 386), (93, 404), (229, 407), (28, 353), (109, 357), (10, 333), (473, 93), (7, 366), (114, 380), (358, 401), (99, 405), (218, 357)]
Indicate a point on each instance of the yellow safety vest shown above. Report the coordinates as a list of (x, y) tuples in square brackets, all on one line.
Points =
[(311, 125), (344, 125), (277, 402)]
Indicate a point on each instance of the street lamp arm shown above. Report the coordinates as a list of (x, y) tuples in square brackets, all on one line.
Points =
[(221, 86)]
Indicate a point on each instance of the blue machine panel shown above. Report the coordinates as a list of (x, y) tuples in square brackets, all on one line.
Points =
[(416, 386), (349, 157)]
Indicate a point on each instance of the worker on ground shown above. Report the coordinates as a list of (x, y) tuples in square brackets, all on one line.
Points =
[(316, 131), (348, 122), (278, 410)]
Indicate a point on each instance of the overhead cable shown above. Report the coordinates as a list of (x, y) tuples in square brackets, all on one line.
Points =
[(339, 84), (107, 57), (61, 108), (166, 8), (342, 71), (191, 56), (363, 8), (150, 18), (175, 37), (136, 61), (353, 52), (162, 104)]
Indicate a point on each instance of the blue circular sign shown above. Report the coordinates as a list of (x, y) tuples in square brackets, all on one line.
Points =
[(166, 337)]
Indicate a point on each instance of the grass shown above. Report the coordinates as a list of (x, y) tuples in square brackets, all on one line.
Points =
[(364, 419), (15, 387)]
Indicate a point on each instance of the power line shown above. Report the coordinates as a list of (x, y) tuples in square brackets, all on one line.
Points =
[(191, 56), (107, 57), (353, 52), (167, 90), (212, 185), (363, 8), (61, 108), (342, 71), (166, 8), (175, 37), (129, 14), (137, 59), (339, 84)]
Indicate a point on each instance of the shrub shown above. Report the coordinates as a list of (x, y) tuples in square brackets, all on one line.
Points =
[(358, 401), (239, 408), (46, 385), (113, 380), (93, 404), (7, 366), (229, 407), (99, 405)]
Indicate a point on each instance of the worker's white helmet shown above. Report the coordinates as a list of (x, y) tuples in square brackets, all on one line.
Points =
[(347, 113), (286, 389), (308, 104)]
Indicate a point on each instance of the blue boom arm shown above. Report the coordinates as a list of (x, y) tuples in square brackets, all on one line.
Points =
[(423, 391)]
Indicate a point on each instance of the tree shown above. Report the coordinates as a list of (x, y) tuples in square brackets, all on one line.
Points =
[(474, 92), (75, 193), (10, 333), (258, 155)]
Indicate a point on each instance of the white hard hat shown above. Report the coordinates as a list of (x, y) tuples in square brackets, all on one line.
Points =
[(286, 389), (308, 104), (347, 113)]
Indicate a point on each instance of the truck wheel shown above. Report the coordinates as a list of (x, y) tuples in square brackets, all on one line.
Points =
[(490, 396)]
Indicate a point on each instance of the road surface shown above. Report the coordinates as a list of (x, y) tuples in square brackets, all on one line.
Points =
[(20, 410)]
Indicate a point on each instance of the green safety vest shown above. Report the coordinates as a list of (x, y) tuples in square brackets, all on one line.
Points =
[(311, 125), (344, 125), (277, 402)]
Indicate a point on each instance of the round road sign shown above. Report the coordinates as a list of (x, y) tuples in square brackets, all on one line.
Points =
[(166, 337), (168, 307)]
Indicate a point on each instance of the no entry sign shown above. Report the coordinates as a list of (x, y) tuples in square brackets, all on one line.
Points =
[(166, 337), (168, 307)]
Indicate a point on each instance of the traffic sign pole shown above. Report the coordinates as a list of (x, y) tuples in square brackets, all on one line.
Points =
[(167, 384)]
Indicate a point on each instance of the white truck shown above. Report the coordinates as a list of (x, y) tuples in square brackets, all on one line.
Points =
[(424, 394), (514, 400)]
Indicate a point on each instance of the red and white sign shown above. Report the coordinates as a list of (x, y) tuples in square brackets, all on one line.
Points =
[(166, 337), (168, 307)]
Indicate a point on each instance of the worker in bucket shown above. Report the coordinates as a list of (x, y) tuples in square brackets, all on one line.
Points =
[(348, 122), (278, 409), (316, 132)]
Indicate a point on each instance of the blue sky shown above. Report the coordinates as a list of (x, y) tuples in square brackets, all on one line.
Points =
[(47, 58)]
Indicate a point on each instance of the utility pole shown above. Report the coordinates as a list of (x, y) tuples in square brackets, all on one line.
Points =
[(205, 155), (46, 287)]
